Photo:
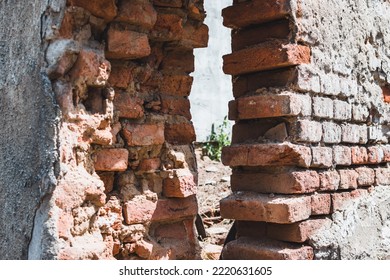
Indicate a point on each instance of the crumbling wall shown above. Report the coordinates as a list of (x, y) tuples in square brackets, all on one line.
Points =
[(310, 144), (127, 178)]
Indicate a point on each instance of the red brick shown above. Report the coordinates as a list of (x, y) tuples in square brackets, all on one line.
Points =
[(111, 160), (126, 44), (290, 182), (168, 27), (266, 56), (168, 3), (266, 106), (386, 153), (175, 208), (105, 9), (322, 157), (138, 12), (143, 249), (247, 206), (244, 38), (233, 110), (175, 85), (176, 106), (329, 180), (102, 137), (128, 106), (195, 36), (320, 204), (108, 180), (178, 62), (348, 179), (342, 200), (255, 12), (180, 133), (144, 134), (121, 76), (359, 155), (342, 155), (366, 176), (266, 155), (149, 165), (67, 25), (91, 68), (246, 248), (382, 176), (139, 211), (181, 183), (386, 94), (375, 154), (298, 232)]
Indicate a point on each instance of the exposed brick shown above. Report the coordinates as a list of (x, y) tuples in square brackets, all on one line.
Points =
[(375, 133), (178, 63), (233, 110), (180, 133), (194, 36), (246, 248), (142, 210), (307, 80), (138, 12), (121, 76), (359, 155), (144, 134), (342, 155), (331, 133), (176, 106), (323, 107), (277, 133), (329, 180), (308, 131), (290, 182), (168, 27), (274, 78), (149, 165), (382, 176), (168, 3), (175, 85), (375, 154), (342, 110), (126, 44), (348, 179), (181, 183), (261, 207), (252, 36), (128, 106), (322, 157), (265, 106), (253, 130), (254, 12), (108, 180), (266, 56), (320, 204), (366, 176), (386, 153), (360, 113), (105, 9), (266, 155), (354, 134), (298, 232), (111, 160), (91, 68), (343, 199)]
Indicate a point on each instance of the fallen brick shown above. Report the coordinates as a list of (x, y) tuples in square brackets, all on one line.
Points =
[(255, 12), (266, 155), (246, 248), (144, 134), (298, 232), (290, 182), (111, 160), (266, 56), (320, 204), (263, 208)]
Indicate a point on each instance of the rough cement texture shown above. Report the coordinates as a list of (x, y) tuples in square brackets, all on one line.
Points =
[(28, 116), (361, 230)]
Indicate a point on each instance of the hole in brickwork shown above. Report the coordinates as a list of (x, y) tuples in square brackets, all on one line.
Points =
[(94, 102), (386, 93)]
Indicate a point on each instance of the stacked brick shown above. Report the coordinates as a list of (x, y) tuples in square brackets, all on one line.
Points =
[(303, 146), (120, 71)]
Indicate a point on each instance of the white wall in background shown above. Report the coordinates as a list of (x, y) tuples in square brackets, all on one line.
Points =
[(211, 90)]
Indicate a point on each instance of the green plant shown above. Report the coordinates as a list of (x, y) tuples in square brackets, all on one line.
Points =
[(218, 139)]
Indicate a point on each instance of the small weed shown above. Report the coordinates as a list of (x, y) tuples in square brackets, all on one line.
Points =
[(218, 139)]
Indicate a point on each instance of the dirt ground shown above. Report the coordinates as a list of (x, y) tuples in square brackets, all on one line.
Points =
[(214, 184)]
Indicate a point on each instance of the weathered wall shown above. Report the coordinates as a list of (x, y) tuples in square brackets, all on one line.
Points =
[(29, 118), (310, 80)]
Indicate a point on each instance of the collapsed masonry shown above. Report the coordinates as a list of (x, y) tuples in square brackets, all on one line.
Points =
[(112, 172)]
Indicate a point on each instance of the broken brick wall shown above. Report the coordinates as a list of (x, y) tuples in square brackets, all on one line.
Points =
[(310, 152), (127, 178)]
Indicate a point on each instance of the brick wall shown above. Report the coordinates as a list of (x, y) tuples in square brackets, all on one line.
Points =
[(120, 73), (310, 145)]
